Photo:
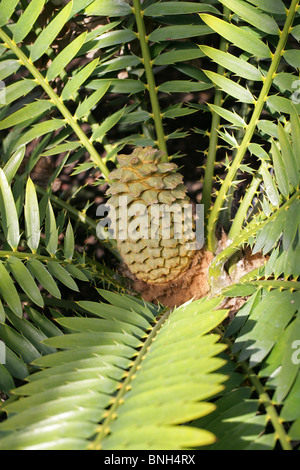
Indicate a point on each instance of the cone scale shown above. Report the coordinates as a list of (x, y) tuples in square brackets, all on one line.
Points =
[(160, 249)]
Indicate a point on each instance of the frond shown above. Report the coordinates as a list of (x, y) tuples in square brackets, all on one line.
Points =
[(248, 59), (265, 332), (117, 365)]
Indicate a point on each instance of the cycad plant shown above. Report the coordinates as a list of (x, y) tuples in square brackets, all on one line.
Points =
[(153, 345)]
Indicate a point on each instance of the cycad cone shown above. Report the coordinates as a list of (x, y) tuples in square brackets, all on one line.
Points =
[(144, 179)]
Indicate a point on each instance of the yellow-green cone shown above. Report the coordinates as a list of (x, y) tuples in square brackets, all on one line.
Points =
[(144, 179)]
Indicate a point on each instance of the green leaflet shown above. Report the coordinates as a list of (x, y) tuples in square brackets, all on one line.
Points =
[(87, 105), (253, 16), (290, 408), (45, 325), (116, 85), (64, 56), (280, 104), (234, 118), (230, 87), (6, 379), (272, 6), (245, 40), (115, 313), (290, 227), (30, 332), (8, 291), (296, 32), (107, 8), (40, 129), (39, 271), (173, 8), (295, 129), (289, 159), (237, 65), (69, 242), (88, 339), (13, 164), (280, 171), (135, 116), (18, 193), (51, 231), (8, 67), (7, 8), (177, 55), (147, 310), (18, 89), (294, 432), (47, 36), (75, 82), (27, 19), (270, 186), (77, 272), (98, 326), (62, 275), (174, 111), (2, 313), (118, 63), (178, 32), (106, 125), (79, 6), (10, 221), (268, 127), (15, 366), (32, 217), (183, 86), (30, 111), (292, 56), (18, 343), (66, 147), (25, 280), (111, 38)]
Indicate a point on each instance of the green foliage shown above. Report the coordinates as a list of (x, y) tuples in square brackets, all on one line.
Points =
[(87, 381), (91, 368)]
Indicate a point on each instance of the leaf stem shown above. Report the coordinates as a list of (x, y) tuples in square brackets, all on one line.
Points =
[(213, 136), (25, 255), (240, 216), (142, 36), (118, 400)]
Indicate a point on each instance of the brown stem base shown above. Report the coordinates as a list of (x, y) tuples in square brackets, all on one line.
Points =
[(191, 284)]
